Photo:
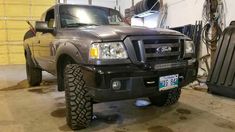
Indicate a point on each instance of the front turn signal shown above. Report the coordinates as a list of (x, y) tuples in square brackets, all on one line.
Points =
[(94, 52)]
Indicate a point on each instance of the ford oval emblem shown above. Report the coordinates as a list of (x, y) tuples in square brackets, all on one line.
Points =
[(163, 49)]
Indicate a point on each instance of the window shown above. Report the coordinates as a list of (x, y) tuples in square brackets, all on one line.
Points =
[(75, 16), (50, 18)]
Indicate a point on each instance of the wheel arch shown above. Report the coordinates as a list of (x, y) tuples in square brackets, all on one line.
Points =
[(62, 60), (27, 52), (28, 55), (66, 53), (70, 50)]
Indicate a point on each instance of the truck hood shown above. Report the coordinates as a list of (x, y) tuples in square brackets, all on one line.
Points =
[(115, 33)]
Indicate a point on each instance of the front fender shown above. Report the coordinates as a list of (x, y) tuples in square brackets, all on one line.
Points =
[(69, 49)]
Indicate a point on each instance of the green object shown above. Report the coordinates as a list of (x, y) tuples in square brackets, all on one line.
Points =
[(168, 82)]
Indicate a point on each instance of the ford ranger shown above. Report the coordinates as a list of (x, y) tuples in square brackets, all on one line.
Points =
[(97, 57)]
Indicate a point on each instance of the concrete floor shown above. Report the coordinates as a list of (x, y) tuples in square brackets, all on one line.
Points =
[(42, 109)]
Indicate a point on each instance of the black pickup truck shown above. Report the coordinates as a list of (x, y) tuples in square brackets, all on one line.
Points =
[(97, 57)]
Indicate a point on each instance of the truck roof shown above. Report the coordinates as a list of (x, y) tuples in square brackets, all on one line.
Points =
[(59, 4)]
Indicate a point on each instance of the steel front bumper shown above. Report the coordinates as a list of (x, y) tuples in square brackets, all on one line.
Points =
[(134, 80)]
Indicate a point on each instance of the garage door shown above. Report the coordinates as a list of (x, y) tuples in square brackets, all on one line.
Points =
[(13, 16)]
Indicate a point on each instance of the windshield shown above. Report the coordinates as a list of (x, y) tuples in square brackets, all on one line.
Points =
[(76, 16)]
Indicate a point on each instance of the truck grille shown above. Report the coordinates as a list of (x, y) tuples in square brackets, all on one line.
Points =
[(149, 50)]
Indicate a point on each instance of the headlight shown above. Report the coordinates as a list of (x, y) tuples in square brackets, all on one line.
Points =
[(112, 50), (188, 49)]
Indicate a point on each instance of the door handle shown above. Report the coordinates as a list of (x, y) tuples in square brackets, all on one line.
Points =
[(39, 41)]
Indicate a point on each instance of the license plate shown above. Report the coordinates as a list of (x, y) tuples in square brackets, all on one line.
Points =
[(168, 82)]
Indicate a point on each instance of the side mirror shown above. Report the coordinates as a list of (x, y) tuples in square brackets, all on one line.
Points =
[(41, 26)]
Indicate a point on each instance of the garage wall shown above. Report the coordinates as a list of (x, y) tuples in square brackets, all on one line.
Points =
[(183, 12), (13, 16), (105, 3), (82, 2), (124, 4)]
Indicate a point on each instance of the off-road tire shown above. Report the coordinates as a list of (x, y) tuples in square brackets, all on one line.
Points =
[(79, 108), (34, 75), (169, 97)]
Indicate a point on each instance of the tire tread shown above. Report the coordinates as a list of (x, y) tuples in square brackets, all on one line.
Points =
[(79, 108), (170, 97)]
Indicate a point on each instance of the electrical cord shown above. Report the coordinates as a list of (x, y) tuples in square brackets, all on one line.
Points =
[(208, 37), (213, 17)]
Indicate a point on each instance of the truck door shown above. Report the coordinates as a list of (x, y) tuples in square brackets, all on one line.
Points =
[(44, 47)]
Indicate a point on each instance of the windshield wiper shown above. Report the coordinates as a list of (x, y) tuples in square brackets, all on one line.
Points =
[(80, 24)]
